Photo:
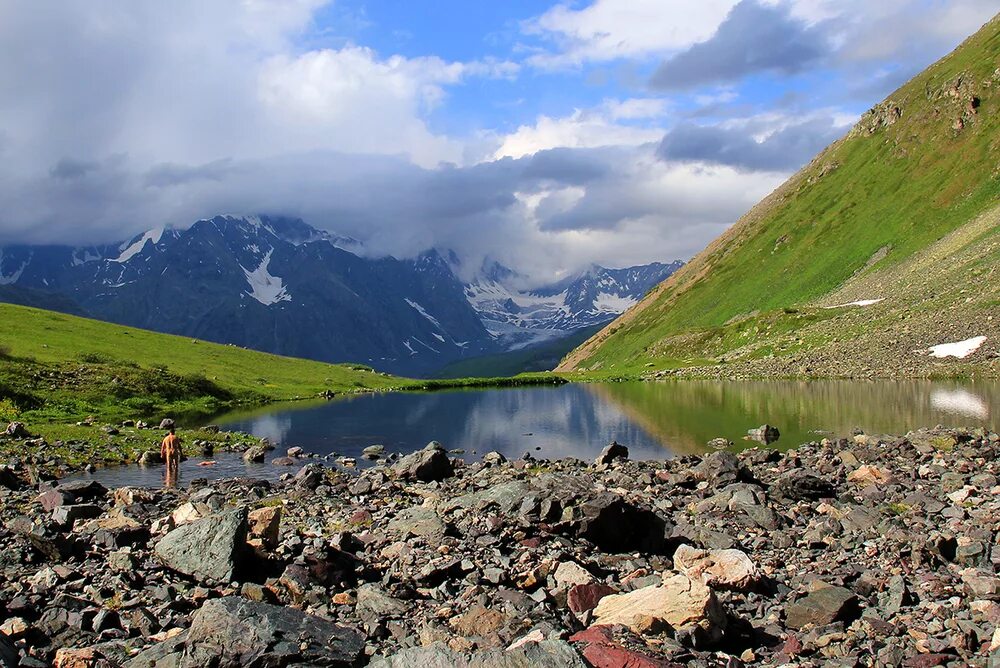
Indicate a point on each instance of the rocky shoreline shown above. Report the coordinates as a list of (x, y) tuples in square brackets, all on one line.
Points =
[(871, 550)]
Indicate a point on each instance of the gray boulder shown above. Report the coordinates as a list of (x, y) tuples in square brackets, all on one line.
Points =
[(427, 465), (150, 458), (211, 548), (766, 434), (65, 516), (233, 632), (550, 653), (611, 452), (615, 525), (825, 604), (167, 423), (255, 453), (803, 486), (83, 491)]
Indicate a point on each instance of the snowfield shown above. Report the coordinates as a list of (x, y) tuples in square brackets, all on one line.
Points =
[(264, 287), (959, 349)]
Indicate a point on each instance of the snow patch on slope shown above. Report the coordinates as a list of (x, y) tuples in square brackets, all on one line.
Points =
[(264, 287), (12, 278), (860, 302), (607, 302), (130, 251), (959, 349), (422, 311)]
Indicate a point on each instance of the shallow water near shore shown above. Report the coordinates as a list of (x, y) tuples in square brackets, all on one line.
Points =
[(655, 420)]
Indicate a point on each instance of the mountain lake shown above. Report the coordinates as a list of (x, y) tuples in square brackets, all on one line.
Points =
[(655, 420)]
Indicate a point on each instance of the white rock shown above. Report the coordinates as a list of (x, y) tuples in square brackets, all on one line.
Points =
[(722, 569)]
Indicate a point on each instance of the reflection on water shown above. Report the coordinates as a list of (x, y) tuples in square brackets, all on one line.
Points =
[(960, 402), (654, 419), (685, 414)]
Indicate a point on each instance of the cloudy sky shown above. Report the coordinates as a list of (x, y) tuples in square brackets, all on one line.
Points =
[(547, 135)]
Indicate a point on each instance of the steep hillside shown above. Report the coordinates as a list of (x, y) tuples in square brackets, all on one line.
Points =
[(870, 217)]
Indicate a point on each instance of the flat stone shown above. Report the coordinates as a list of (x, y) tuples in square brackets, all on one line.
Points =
[(419, 521), (824, 605), (570, 573)]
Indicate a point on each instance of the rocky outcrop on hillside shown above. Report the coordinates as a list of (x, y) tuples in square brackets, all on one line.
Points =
[(864, 551)]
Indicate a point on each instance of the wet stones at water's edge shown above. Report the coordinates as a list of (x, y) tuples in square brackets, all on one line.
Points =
[(867, 551)]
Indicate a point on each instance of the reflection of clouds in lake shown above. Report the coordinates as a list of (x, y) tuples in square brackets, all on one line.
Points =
[(565, 421), (960, 402), (273, 427)]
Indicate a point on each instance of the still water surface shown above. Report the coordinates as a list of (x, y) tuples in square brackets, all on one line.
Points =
[(655, 420)]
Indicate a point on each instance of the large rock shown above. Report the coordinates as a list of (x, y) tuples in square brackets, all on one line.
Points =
[(615, 525), (766, 434), (602, 650), (825, 604), (611, 452), (427, 465), (375, 605), (208, 549), (720, 569), (83, 491), (802, 486), (720, 469), (548, 653), (679, 601), (233, 632), (419, 521), (66, 516), (255, 454)]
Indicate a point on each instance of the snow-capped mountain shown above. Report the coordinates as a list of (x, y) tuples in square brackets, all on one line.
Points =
[(595, 296), (279, 285), (269, 283)]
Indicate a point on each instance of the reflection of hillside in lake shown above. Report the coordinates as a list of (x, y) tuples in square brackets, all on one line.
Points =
[(654, 419), (563, 421), (685, 414)]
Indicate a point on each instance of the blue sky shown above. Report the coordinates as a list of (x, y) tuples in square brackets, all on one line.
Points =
[(546, 135)]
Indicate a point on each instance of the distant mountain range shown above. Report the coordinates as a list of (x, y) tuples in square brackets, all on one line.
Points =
[(279, 285)]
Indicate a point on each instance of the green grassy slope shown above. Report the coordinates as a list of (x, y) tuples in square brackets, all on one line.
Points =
[(65, 364), (914, 169)]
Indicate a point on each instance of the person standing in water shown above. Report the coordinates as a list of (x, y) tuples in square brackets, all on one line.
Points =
[(170, 451)]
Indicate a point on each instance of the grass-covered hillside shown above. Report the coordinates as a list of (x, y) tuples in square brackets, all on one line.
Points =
[(55, 364), (870, 208)]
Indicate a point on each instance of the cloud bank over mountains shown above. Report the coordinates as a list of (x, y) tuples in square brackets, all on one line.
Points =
[(649, 126)]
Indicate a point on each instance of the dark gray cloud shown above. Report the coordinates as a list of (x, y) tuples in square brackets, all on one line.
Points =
[(753, 38), (785, 149), (68, 168), (172, 174)]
